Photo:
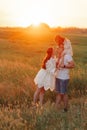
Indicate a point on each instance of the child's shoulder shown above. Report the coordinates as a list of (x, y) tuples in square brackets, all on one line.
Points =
[(68, 57)]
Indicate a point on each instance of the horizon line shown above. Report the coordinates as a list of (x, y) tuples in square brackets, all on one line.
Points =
[(44, 23)]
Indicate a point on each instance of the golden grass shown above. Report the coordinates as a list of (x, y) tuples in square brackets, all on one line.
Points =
[(20, 60)]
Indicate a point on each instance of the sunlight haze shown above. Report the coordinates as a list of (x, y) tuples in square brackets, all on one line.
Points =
[(53, 12)]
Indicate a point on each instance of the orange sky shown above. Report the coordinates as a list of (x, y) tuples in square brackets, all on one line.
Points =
[(53, 12)]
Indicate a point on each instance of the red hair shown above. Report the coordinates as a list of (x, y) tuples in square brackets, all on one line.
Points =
[(47, 57)]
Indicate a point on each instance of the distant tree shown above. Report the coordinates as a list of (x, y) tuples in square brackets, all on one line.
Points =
[(44, 25)]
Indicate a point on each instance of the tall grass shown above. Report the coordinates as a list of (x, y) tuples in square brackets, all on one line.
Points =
[(46, 118), (20, 60)]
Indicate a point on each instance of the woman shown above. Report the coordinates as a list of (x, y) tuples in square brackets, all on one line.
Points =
[(45, 78)]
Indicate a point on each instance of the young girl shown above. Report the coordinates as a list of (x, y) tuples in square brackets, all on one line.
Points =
[(45, 78)]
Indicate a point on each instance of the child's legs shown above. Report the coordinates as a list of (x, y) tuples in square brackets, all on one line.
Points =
[(36, 95), (41, 96)]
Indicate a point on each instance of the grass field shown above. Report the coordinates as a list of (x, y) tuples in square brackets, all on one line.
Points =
[(20, 60)]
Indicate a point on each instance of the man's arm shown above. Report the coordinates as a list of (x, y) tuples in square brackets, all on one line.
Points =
[(70, 65)]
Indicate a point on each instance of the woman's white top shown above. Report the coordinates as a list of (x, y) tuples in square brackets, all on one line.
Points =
[(45, 77)]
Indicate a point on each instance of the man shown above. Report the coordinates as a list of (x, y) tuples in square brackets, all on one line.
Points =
[(64, 64)]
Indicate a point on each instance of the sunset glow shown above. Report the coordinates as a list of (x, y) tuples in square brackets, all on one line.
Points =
[(53, 12)]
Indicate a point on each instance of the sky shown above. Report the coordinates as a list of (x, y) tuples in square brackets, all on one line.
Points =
[(64, 13)]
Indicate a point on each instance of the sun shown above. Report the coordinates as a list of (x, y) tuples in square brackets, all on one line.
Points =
[(27, 12), (36, 23), (26, 20), (35, 13)]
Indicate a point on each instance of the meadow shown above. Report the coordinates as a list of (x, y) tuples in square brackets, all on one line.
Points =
[(20, 59)]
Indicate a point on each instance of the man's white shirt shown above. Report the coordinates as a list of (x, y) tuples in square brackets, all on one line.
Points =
[(63, 73)]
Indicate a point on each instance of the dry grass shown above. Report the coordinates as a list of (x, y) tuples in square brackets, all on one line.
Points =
[(20, 60)]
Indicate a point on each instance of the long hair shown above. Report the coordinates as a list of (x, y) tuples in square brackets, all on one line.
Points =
[(47, 57)]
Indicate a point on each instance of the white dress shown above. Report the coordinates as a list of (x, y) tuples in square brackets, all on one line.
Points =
[(45, 77)]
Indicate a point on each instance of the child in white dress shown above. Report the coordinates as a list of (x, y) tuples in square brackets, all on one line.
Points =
[(45, 78)]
